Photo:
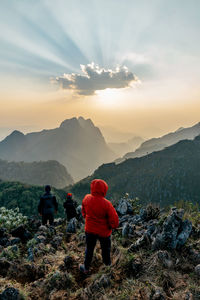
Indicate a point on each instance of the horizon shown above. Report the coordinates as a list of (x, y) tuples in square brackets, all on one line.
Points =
[(110, 134), (132, 66)]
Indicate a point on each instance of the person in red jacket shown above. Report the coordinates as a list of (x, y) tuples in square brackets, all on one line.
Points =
[(100, 218)]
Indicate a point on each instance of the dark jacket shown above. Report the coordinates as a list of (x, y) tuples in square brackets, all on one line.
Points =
[(99, 213), (47, 204), (70, 208)]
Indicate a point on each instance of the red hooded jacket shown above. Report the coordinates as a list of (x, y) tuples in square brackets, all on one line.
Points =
[(99, 213)]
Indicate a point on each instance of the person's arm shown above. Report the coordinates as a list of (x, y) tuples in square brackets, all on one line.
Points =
[(55, 204), (40, 206), (113, 218)]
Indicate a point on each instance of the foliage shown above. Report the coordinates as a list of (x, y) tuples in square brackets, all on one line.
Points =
[(161, 177), (10, 253), (11, 218), (192, 211), (26, 197), (37, 172)]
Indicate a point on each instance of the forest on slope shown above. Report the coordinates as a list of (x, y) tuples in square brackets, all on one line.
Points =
[(162, 177)]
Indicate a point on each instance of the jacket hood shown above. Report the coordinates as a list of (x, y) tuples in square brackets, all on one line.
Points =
[(98, 187)]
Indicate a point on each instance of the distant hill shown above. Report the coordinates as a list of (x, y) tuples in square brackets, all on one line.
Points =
[(156, 144), (26, 197), (122, 148), (77, 144), (164, 177), (38, 173)]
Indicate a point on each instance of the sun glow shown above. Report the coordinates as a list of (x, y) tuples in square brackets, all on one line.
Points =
[(109, 97)]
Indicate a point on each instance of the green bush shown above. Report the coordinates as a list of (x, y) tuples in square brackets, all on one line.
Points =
[(11, 218)]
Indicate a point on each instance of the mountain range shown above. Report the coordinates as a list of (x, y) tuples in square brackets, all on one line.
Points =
[(156, 144), (37, 173), (162, 177), (122, 148), (77, 144)]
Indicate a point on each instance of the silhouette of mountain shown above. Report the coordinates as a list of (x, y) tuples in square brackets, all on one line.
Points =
[(156, 144), (38, 173), (77, 144), (122, 148), (164, 177)]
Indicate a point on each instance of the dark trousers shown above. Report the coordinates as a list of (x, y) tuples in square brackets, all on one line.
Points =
[(105, 243), (47, 217)]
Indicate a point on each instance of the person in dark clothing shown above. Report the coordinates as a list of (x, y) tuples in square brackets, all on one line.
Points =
[(70, 207), (47, 206)]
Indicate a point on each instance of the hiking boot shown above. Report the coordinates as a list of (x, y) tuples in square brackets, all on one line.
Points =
[(83, 269)]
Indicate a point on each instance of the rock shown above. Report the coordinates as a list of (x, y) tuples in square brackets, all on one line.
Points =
[(10, 293), (175, 232), (79, 213), (14, 241), (96, 289), (59, 221), (40, 239), (34, 223), (26, 272), (4, 266), (134, 267), (2, 232), (43, 228), (104, 281), (21, 233), (127, 230), (72, 226), (197, 270), (68, 261), (140, 243), (164, 259), (56, 242), (59, 281), (149, 213), (30, 254), (158, 295), (185, 233), (124, 207), (194, 256), (4, 241)]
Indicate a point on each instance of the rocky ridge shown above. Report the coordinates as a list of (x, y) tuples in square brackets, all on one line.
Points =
[(155, 255)]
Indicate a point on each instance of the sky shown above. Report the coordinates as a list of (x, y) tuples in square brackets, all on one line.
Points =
[(131, 65)]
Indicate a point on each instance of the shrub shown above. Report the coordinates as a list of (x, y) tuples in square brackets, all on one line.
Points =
[(11, 218)]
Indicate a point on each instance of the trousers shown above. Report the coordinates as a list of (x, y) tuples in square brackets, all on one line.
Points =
[(105, 243), (46, 218)]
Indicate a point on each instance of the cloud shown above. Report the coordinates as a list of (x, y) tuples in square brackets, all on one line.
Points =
[(95, 78)]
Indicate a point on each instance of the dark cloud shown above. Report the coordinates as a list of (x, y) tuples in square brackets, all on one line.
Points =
[(95, 78)]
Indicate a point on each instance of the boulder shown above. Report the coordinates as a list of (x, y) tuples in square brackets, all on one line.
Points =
[(124, 207), (197, 270), (72, 226), (4, 266), (10, 293), (56, 242), (164, 259), (175, 231), (21, 232), (2, 232)]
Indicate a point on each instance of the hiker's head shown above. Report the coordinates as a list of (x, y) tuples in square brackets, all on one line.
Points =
[(69, 196), (47, 188), (98, 187)]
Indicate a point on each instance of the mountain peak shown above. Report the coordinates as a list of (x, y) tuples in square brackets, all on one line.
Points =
[(16, 133), (86, 122), (68, 123)]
